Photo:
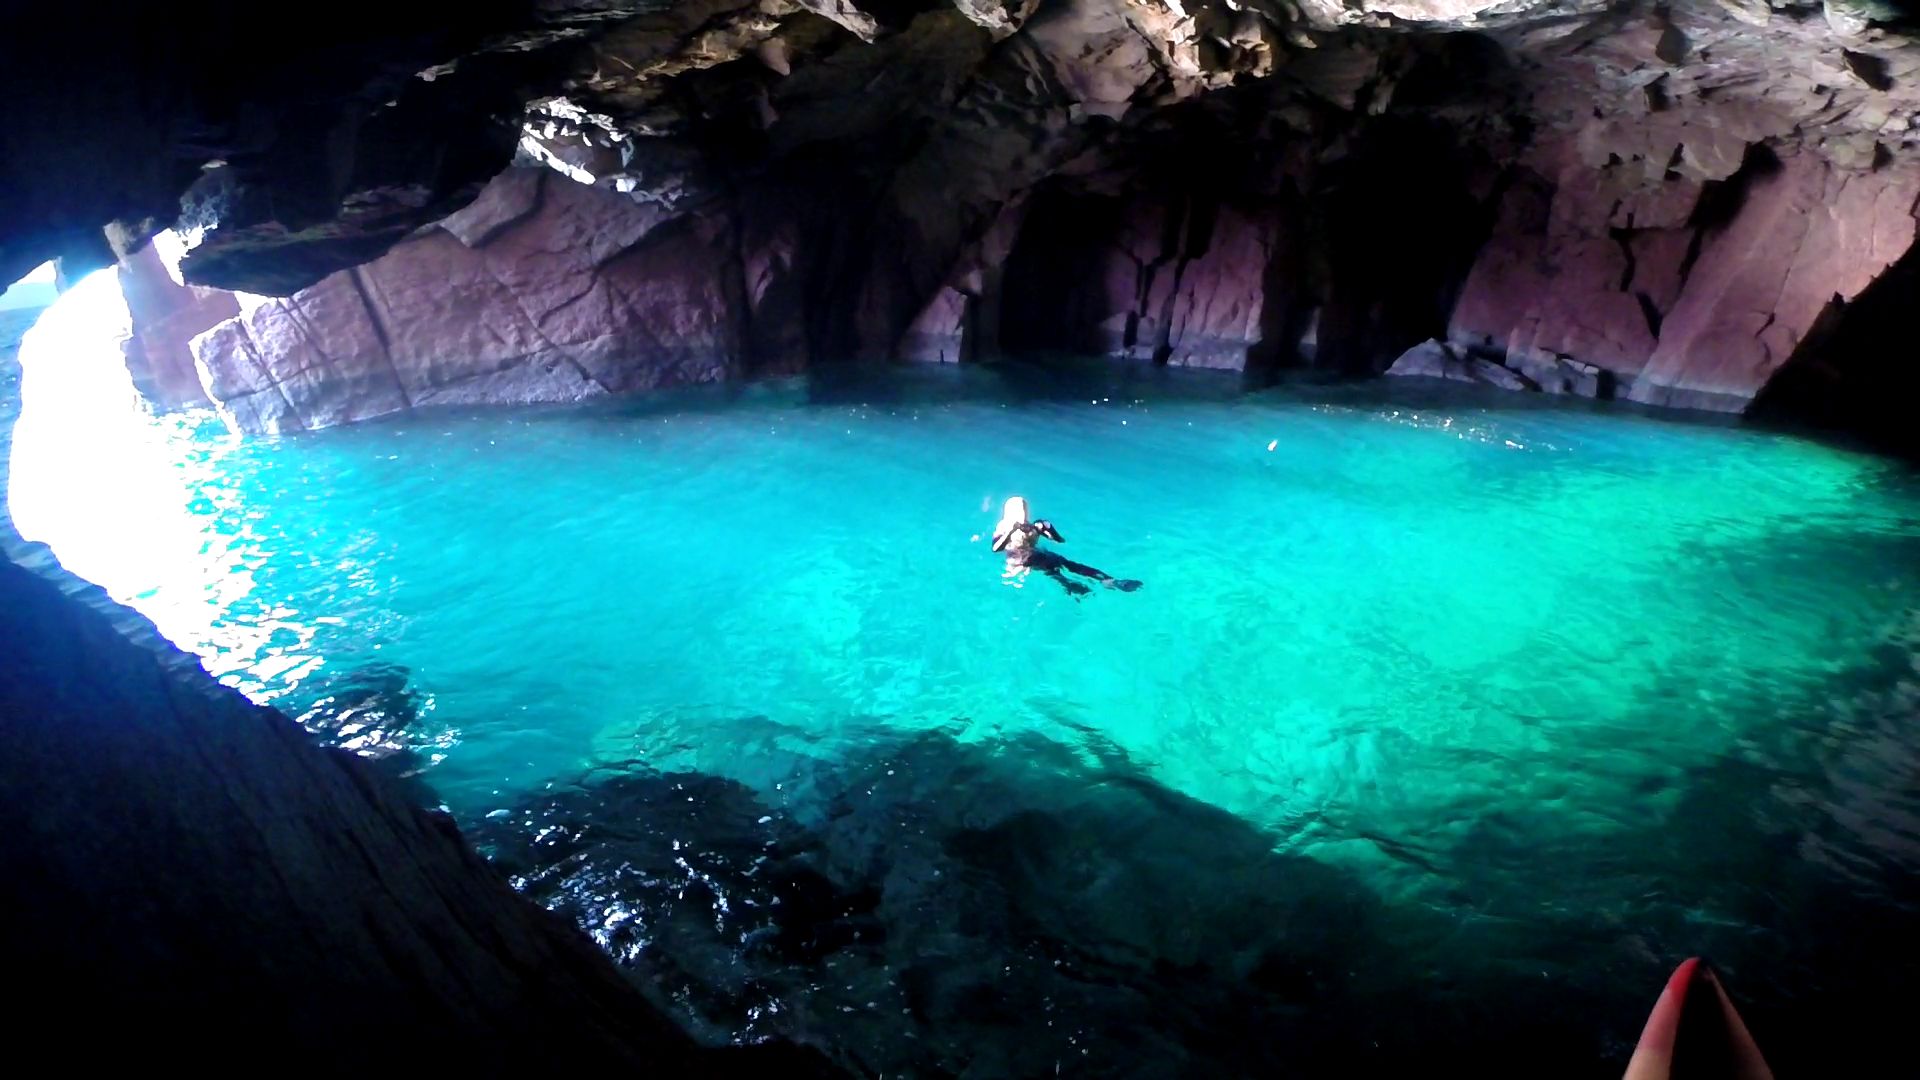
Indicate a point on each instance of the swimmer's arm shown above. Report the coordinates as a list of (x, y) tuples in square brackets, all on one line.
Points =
[(1047, 530), (1000, 540)]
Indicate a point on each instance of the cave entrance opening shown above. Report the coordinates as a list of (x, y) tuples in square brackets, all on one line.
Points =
[(84, 454), (34, 291)]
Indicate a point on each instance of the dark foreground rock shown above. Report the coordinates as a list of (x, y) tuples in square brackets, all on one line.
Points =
[(214, 887)]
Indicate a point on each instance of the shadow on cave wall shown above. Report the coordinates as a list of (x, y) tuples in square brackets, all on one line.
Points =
[(1855, 374), (1400, 228), (1359, 254)]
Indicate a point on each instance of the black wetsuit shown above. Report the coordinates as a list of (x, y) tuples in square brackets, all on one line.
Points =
[(1028, 555)]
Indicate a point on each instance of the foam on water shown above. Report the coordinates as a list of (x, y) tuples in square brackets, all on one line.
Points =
[(1568, 692)]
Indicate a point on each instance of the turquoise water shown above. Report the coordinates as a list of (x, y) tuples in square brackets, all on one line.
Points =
[(1443, 724)]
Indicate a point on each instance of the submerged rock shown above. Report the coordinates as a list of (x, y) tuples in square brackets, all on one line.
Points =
[(1437, 360), (937, 907)]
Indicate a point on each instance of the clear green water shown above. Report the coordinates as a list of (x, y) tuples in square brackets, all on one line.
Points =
[(1443, 724)]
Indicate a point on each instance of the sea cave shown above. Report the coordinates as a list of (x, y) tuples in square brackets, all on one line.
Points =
[(549, 536)]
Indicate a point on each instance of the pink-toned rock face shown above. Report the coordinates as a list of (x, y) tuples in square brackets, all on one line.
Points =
[(1580, 199), (312, 360), (1186, 282), (1219, 303), (939, 333), (1704, 307), (1555, 280), (544, 290), (1808, 237), (166, 317), (962, 321)]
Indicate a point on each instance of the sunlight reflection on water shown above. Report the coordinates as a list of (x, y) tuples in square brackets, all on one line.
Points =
[(137, 503)]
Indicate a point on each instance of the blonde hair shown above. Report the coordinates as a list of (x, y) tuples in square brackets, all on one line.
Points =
[(1012, 514)]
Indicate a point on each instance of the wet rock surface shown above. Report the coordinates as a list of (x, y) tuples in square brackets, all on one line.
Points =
[(1435, 360)]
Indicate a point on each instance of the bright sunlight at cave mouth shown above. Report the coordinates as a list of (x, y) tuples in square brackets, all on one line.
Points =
[(115, 491)]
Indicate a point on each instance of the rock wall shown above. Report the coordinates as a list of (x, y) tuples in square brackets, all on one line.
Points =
[(166, 317), (1691, 292), (1598, 197), (1575, 279), (1807, 239), (542, 290), (1182, 282), (549, 290)]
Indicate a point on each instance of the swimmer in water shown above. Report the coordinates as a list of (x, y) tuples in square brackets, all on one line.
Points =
[(1019, 537)]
